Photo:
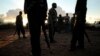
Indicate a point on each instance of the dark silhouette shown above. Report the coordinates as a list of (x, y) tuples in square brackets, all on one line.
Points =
[(60, 23), (67, 22), (89, 40), (52, 19), (73, 22), (79, 29), (19, 25), (36, 11)]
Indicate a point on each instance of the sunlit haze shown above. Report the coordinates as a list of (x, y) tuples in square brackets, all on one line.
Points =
[(9, 9)]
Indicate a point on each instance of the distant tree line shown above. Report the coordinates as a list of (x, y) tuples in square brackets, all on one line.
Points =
[(7, 26)]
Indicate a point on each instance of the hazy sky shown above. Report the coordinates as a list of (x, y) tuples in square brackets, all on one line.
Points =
[(66, 5)]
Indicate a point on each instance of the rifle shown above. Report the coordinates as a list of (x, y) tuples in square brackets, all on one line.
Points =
[(45, 34), (89, 41)]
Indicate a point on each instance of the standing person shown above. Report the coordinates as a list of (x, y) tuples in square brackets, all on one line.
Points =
[(52, 19), (73, 20), (19, 25), (67, 22), (79, 29), (60, 23), (36, 11)]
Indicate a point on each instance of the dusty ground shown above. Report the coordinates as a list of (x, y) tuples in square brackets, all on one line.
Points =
[(10, 45)]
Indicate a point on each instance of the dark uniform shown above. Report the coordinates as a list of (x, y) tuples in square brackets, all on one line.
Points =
[(60, 23), (52, 19), (36, 11), (19, 25), (79, 29), (73, 20), (67, 26)]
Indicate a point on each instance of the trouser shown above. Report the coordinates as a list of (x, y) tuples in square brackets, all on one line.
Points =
[(78, 36), (20, 29), (79, 30), (34, 20), (51, 32)]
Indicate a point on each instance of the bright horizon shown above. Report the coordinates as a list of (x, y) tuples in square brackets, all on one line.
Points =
[(8, 9)]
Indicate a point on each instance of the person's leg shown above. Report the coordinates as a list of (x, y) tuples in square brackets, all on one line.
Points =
[(53, 32), (73, 42), (81, 42), (50, 33), (18, 32), (35, 26), (81, 37), (23, 32)]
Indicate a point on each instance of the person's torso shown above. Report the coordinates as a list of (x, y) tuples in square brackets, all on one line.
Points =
[(19, 20), (52, 15), (37, 6)]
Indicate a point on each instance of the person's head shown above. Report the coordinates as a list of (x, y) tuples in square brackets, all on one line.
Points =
[(73, 15), (54, 5), (20, 13), (60, 15), (66, 14)]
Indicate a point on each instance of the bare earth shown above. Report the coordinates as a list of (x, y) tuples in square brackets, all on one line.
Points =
[(10, 45)]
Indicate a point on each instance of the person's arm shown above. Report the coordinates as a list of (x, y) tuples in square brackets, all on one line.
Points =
[(75, 21), (25, 6), (45, 5)]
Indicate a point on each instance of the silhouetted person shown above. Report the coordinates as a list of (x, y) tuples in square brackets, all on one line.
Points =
[(79, 29), (60, 23), (36, 11), (67, 22), (52, 19), (19, 25), (73, 22)]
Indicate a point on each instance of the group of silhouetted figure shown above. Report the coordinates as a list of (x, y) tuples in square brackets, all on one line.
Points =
[(36, 11)]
